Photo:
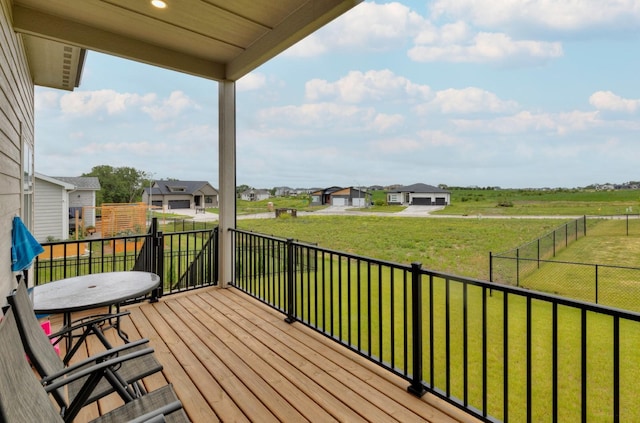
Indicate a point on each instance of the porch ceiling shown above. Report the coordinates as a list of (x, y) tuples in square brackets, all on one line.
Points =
[(214, 39)]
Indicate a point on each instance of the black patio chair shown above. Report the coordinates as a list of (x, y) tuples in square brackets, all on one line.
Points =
[(23, 399), (123, 378)]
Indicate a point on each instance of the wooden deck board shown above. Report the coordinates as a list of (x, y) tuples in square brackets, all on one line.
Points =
[(231, 358)]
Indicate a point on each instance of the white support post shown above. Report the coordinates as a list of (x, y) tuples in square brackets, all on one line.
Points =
[(227, 179)]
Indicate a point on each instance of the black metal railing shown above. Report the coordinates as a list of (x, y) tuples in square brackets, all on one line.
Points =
[(183, 260), (499, 352)]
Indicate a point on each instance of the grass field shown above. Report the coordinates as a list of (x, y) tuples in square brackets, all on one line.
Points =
[(461, 246), (514, 202)]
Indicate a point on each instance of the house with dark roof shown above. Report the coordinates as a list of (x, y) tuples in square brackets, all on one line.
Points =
[(59, 201), (419, 195), (323, 196), (337, 196), (171, 195)]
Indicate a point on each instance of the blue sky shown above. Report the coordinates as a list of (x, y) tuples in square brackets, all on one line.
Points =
[(510, 93)]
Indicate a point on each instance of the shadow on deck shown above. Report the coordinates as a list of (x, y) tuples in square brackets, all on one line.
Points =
[(230, 358)]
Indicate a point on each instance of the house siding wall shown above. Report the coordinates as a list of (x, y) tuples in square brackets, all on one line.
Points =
[(52, 203), (16, 130), (87, 200)]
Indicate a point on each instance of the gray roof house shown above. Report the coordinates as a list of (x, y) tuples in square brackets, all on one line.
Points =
[(57, 201), (255, 195), (171, 195), (419, 195), (51, 208), (323, 196)]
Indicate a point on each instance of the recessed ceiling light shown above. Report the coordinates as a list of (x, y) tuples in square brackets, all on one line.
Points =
[(159, 4)]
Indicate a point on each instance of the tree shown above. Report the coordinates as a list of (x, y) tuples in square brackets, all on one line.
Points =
[(119, 184)]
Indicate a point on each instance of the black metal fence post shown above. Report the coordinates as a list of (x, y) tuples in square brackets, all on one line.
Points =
[(290, 282), (416, 387), (490, 266), (157, 263)]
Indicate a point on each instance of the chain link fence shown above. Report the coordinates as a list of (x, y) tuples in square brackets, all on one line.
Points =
[(531, 266)]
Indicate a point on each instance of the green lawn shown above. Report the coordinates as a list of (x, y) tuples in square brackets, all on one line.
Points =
[(461, 246), (518, 202)]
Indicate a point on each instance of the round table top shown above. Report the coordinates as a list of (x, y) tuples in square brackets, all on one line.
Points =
[(89, 291)]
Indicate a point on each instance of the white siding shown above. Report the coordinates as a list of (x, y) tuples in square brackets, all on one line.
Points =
[(52, 211), (87, 200), (359, 202), (16, 128)]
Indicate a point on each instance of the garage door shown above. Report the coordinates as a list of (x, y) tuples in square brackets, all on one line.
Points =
[(421, 201), (337, 201), (358, 202), (441, 201), (179, 204)]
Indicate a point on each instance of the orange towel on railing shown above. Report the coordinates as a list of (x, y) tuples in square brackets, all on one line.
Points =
[(24, 247)]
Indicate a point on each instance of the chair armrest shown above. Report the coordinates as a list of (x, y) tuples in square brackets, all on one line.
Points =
[(98, 357), (63, 377)]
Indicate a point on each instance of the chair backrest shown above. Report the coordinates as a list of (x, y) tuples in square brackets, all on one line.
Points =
[(35, 342), (22, 398)]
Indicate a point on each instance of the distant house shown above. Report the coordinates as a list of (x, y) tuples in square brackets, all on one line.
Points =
[(321, 197), (283, 191), (171, 195), (337, 196), (255, 195), (51, 208), (59, 200), (419, 195)]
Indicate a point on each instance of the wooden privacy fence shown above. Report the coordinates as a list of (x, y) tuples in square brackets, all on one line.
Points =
[(123, 218)]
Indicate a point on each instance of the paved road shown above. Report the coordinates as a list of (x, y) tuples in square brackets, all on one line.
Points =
[(411, 211)]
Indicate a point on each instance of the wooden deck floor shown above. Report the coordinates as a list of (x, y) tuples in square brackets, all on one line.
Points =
[(230, 358)]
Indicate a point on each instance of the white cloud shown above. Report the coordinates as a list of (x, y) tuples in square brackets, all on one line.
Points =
[(318, 115), (467, 100), (384, 122), (358, 87), (143, 148), (368, 26), (527, 122), (46, 99), (172, 107), (84, 103), (485, 47), (542, 16), (606, 100), (251, 82), (423, 139)]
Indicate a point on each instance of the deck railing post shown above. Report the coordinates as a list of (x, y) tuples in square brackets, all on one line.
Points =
[(290, 282), (416, 387), (157, 263)]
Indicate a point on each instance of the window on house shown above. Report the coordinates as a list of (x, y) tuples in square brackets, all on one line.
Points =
[(27, 185)]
